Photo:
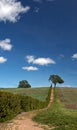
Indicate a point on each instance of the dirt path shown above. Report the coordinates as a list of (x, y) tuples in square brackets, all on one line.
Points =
[(24, 120)]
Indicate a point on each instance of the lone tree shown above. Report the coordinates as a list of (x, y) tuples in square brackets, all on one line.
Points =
[(56, 79), (24, 84)]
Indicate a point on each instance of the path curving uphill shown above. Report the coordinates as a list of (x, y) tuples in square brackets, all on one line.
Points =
[(24, 120)]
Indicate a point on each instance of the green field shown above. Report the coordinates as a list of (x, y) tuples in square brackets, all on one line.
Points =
[(59, 116), (38, 93), (69, 97)]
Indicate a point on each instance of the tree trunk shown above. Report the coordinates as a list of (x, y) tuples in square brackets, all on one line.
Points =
[(54, 85)]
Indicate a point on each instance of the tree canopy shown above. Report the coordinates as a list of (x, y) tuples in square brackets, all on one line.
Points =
[(56, 79), (24, 84)]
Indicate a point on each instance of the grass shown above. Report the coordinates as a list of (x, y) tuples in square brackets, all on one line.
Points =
[(58, 116), (38, 93), (68, 97)]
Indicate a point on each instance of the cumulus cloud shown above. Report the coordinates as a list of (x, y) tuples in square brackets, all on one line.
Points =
[(11, 9), (44, 61), (74, 56), (29, 68), (2, 59), (5, 44), (30, 59), (40, 61)]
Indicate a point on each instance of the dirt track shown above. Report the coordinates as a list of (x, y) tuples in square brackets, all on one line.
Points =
[(24, 120)]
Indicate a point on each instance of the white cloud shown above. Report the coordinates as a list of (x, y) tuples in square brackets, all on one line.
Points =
[(30, 58), (29, 68), (40, 61), (5, 44), (44, 61), (74, 56), (2, 59), (10, 10)]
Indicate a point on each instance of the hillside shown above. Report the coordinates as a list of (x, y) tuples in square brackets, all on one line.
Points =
[(38, 93), (68, 97), (62, 114)]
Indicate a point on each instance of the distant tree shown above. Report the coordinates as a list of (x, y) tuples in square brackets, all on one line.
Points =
[(55, 79), (24, 84)]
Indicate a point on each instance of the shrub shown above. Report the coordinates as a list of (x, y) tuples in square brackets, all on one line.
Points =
[(29, 103), (9, 105), (12, 104)]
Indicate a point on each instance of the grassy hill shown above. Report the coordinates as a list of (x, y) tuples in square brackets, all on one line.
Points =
[(68, 97), (38, 93), (62, 115)]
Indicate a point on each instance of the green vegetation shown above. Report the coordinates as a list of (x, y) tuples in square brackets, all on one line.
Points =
[(58, 116), (11, 104), (62, 115), (68, 96), (38, 93), (24, 84), (56, 79)]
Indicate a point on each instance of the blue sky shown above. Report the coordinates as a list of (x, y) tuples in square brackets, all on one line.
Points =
[(38, 38)]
